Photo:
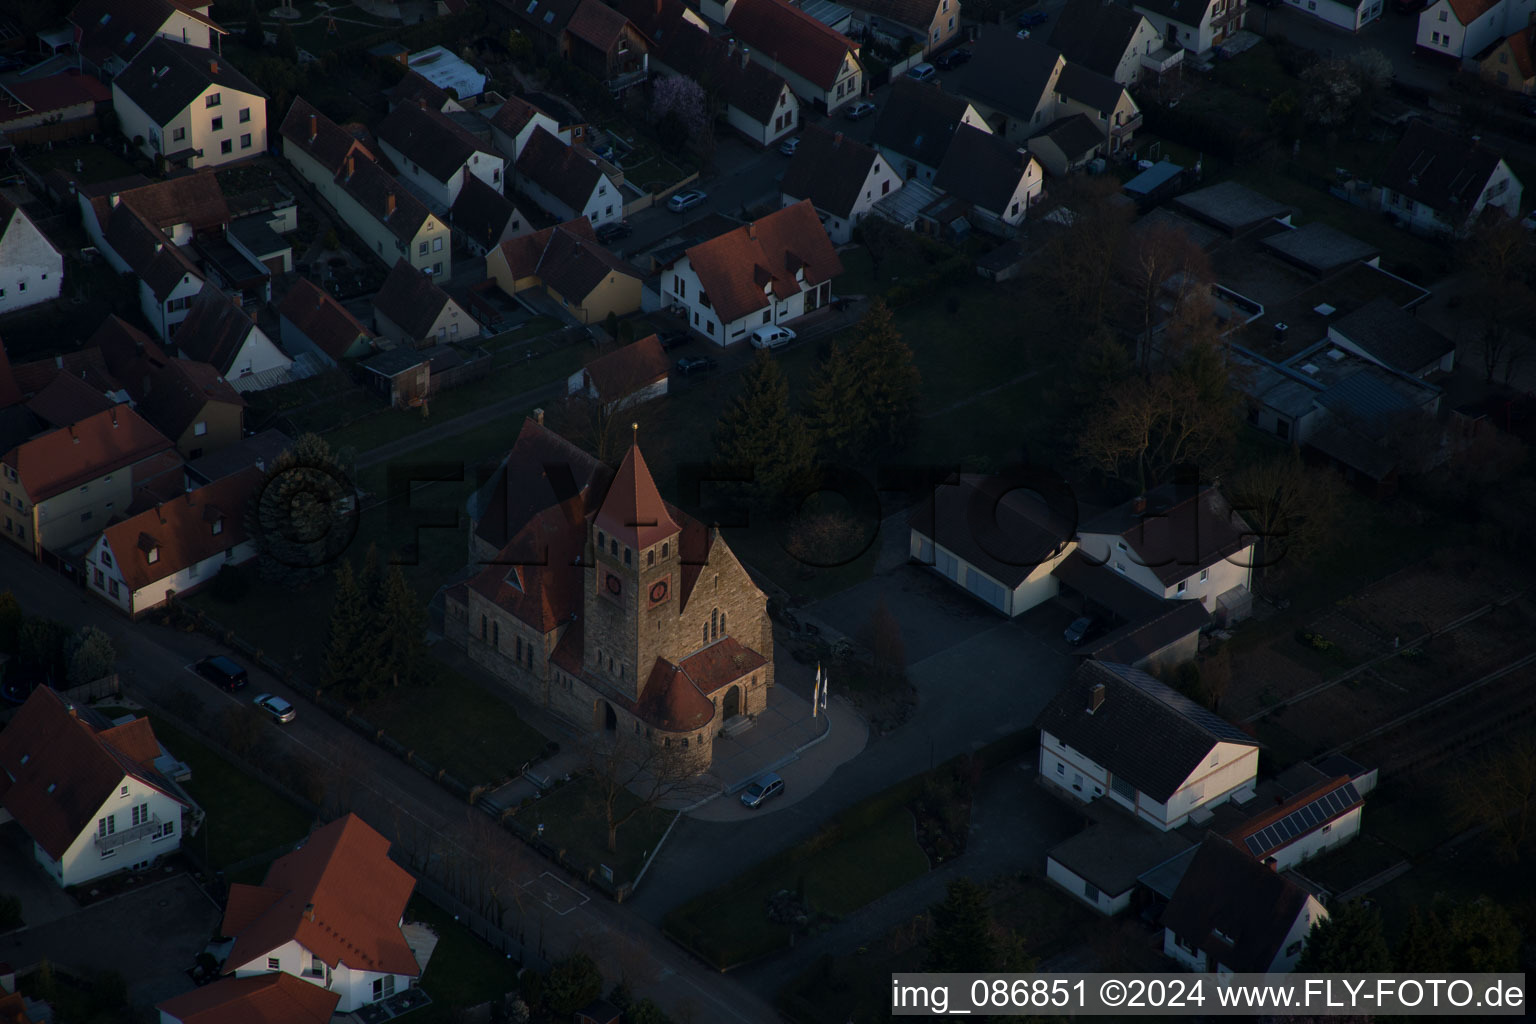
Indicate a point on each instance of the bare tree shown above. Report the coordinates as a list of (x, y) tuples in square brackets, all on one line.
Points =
[(1081, 256), (1159, 264), (632, 774), (1292, 508), (604, 424), (1498, 252), (1499, 793)]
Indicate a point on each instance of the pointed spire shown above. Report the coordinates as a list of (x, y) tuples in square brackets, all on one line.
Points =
[(633, 510)]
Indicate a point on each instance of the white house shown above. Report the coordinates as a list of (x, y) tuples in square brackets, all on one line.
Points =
[(410, 309), (1464, 28), (1112, 40), (636, 373), (1350, 15), (437, 156), (1313, 821), (110, 33), (218, 332), (996, 177), (175, 547), (820, 64), (31, 269), (330, 914), (1008, 564), (1232, 915), (87, 792), (1439, 183), (566, 182), (1196, 26), (771, 271), (260, 997), (514, 123), (916, 124), (933, 24), (1115, 731), (188, 105), (841, 177)]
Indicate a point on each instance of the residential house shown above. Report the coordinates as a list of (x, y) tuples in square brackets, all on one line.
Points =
[(996, 177), (821, 65), (109, 34), (484, 218), (311, 320), (566, 181), (1464, 28), (261, 449), (87, 791), (1112, 40), (1230, 914), (391, 222), (514, 123), (190, 106), (254, 238), (1309, 823), (402, 376), (53, 107), (1508, 62), (65, 401), (1350, 15), (542, 21), (444, 69), (173, 548), (189, 402), (758, 101), (416, 90), (65, 485), (1067, 146), (331, 914), (1114, 730), (841, 177), (771, 271), (1440, 183), (1177, 542), (933, 24), (601, 41), (1007, 564), (1195, 25), (916, 124), (218, 332), (571, 268), (435, 155), (258, 999), (627, 376), (31, 269), (1390, 336), (412, 310)]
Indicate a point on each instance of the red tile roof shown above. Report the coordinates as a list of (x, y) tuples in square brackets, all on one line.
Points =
[(320, 318), (720, 664), (67, 400), (559, 169), (318, 137), (56, 92), (87, 365), (1260, 822), (793, 38), (108, 441), (536, 577), (339, 896), (194, 199), (513, 115), (624, 371), (58, 771), (215, 329), (739, 269), (261, 999), (182, 529), (13, 1009), (670, 701), (597, 24), (1468, 11), (633, 510), (412, 300)]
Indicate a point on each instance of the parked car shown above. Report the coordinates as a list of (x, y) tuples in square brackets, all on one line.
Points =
[(772, 336), (922, 72), (761, 791), (672, 339), (1033, 19), (613, 231), (789, 145), (690, 365), (859, 111), (953, 58), (1080, 630), (225, 673), (275, 706), (686, 200)]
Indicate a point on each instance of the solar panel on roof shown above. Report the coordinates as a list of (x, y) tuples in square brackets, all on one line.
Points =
[(1351, 793), (1255, 846), (1207, 720)]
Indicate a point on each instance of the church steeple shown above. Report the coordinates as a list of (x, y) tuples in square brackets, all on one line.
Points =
[(632, 511)]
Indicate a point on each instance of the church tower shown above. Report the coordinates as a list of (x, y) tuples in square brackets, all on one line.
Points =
[(635, 544)]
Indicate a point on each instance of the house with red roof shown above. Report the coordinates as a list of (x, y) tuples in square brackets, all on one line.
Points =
[(1463, 28), (514, 123), (259, 999), (311, 320), (331, 914), (87, 790), (601, 41), (31, 269), (566, 180), (1510, 63), (217, 331), (606, 604), (569, 265), (110, 33), (627, 376), (820, 64), (772, 271)]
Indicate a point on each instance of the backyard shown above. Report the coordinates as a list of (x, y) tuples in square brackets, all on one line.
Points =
[(463, 972)]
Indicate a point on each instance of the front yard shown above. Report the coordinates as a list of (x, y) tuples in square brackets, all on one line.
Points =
[(463, 972), (576, 825)]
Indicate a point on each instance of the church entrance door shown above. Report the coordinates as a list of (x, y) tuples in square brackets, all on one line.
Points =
[(610, 720), (732, 703)]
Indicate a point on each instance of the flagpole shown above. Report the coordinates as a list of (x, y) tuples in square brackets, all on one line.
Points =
[(816, 691)]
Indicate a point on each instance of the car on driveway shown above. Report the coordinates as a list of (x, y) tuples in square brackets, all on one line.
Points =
[(1033, 19), (225, 673), (953, 58), (673, 339), (788, 146), (612, 231), (761, 791), (1081, 629), (922, 72), (275, 706), (859, 111), (690, 365), (686, 200), (772, 336)]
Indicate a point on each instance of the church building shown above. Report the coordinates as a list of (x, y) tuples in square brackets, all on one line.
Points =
[(606, 604)]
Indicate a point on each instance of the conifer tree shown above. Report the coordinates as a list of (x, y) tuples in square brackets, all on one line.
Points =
[(836, 413), (348, 632), (890, 383), (403, 622), (757, 431)]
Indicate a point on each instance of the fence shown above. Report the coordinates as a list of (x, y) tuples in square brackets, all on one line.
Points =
[(472, 369), (100, 689)]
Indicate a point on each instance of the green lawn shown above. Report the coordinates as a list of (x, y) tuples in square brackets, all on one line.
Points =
[(648, 166), (245, 818), (463, 971), (574, 821)]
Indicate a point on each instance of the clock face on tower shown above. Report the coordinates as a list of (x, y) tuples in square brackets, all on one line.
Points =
[(660, 591), (614, 585)]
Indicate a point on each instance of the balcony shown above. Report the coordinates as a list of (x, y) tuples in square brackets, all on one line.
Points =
[(124, 836), (1162, 60), (1127, 126)]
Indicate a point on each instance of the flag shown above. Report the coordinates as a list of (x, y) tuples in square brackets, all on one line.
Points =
[(825, 684), (816, 691)]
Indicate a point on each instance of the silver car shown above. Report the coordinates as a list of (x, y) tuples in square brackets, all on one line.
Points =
[(276, 707), (761, 791), (686, 200)]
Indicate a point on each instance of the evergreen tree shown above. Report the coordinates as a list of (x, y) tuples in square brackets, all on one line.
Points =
[(1477, 936), (1348, 941), (963, 938), (836, 415), (891, 385), (572, 983), (1422, 944), (370, 580), (403, 621), (286, 47), (304, 515), (91, 655), (349, 633), (757, 431)]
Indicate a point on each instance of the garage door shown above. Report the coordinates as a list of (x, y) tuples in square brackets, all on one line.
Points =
[(949, 565), (924, 551), (988, 590)]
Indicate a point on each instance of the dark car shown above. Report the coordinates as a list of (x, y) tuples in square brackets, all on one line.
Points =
[(673, 339), (953, 59), (613, 231), (690, 365), (225, 673), (1030, 19), (1080, 630)]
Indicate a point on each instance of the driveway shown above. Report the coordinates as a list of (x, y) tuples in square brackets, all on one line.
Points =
[(42, 901), (1393, 34)]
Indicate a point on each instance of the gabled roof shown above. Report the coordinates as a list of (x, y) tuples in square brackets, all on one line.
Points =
[(1183, 529), (261, 450), (1006, 533), (411, 299), (1094, 90), (317, 136), (1075, 136), (57, 770), (166, 77), (983, 169), (148, 251), (918, 14), (626, 370), (339, 896), (429, 139), (1233, 908), (558, 169), (375, 190), (54, 93), (195, 199), (567, 258), (11, 215), (828, 169), (1009, 74), (792, 38), (1144, 732), (1443, 171), (1301, 815), (277, 998), (123, 346), (720, 664), (121, 28), (415, 88), (515, 113), (67, 400), (742, 268), (597, 24), (215, 329), (319, 317), (633, 510), (86, 364), (482, 212), (182, 530), (750, 87), (658, 20), (523, 486), (1468, 11), (1393, 336), (1185, 12), (114, 439), (1095, 34)]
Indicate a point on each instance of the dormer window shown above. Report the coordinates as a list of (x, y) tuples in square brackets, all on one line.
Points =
[(218, 526), (152, 555)]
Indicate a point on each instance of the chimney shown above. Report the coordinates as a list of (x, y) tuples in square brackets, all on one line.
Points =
[(752, 230), (115, 198), (314, 126), (213, 66), (538, 416), (1139, 506), (1096, 698), (389, 205)]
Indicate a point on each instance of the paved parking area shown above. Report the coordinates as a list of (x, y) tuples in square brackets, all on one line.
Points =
[(21, 876)]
